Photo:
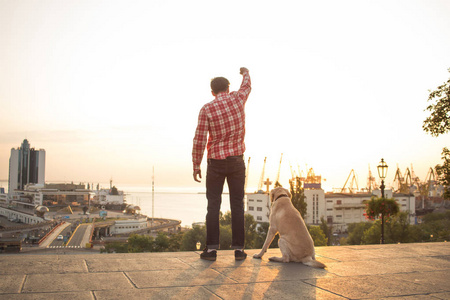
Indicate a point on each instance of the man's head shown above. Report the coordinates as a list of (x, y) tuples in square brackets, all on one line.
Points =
[(219, 85)]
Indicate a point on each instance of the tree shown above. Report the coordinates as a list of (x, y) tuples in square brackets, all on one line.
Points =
[(161, 243), (225, 219), (115, 247), (380, 208), (318, 236), (372, 234), (225, 237), (356, 232), (298, 197), (439, 123), (436, 227), (439, 120), (140, 243), (327, 230), (443, 173), (191, 237), (250, 231), (261, 232), (175, 240)]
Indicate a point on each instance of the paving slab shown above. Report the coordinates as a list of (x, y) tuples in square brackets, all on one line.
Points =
[(272, 290), (177, 293), (395, 271), (369, 287), (101, 264), (50, 296), (273, 272), (42, 265), (182, 277), (75, 282), (11, 283)]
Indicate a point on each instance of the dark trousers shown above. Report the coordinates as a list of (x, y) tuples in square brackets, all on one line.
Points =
[(233, 170)]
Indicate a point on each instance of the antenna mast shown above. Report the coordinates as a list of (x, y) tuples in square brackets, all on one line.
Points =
[(153, 195)]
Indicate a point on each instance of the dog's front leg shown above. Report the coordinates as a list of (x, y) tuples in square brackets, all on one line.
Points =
[(270, 236)]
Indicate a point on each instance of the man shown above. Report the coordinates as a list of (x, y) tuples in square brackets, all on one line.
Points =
[(224, 120)]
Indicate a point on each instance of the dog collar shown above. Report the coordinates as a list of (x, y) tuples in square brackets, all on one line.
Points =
[(279, 196)]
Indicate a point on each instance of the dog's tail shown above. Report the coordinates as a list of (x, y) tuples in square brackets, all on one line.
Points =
[(309, 261)]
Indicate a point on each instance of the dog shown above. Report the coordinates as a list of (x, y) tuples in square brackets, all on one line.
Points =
[(295, 242)]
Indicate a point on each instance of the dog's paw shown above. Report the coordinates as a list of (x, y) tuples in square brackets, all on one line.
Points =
[(257, 256)]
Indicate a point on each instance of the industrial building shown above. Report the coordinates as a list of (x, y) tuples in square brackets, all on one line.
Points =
[(337, 208)]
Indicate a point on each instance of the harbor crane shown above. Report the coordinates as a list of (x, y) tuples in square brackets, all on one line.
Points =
[(246, 175), (352, 182), (261, 179), (277, 182), (371, 182)]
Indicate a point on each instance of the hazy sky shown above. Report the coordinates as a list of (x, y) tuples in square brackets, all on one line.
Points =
[(112, 88)]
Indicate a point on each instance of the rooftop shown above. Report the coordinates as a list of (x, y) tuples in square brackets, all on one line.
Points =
[(400, 271)]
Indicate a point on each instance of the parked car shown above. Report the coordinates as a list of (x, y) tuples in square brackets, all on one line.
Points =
[(60, 237)]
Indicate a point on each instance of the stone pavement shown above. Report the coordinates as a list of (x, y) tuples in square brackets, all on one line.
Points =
[(397, 271)]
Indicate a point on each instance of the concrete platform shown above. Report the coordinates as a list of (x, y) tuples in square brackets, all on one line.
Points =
[(403, 271)]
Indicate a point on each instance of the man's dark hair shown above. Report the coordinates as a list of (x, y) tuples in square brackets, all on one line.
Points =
[(219, 84)]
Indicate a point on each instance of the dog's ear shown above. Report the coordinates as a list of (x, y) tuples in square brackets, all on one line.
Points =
[(288, 193), (271, 195)]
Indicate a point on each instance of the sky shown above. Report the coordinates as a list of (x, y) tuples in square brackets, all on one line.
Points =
[(112, 89)]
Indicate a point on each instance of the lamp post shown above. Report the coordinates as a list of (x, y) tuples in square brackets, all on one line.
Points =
[(382, 171)]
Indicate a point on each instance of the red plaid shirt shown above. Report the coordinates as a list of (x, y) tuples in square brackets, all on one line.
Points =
[(224, 120)]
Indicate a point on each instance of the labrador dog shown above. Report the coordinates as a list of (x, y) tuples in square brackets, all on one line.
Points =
[(295, 241)]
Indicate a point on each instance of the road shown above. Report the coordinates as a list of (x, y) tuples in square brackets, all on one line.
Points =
[(64, 233), (78, 235)]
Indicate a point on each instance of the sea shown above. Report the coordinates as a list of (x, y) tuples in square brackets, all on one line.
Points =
[(180, 203)]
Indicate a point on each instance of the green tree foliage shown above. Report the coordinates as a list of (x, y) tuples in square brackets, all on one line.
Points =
[(439, 120), (356, 232), (398, 229), (318, 236), (161, 243), (225, 219), (436, 225), (372, 235), (115, 247), (298, 197), (225, 237), (175, 240), (381, 207), (140, 243), (327, 230), (261, 234), (250, 232), (443, 172), (191, 237)]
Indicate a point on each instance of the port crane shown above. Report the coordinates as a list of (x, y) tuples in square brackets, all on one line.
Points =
[(353, 182), (371, 182), (246, 175), (277, 182), (261, 179)]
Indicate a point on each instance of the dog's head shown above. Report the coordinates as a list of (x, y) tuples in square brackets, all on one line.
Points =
[(279, 192)]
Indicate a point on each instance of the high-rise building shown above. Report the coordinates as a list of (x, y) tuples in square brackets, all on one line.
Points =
[(26, 165)]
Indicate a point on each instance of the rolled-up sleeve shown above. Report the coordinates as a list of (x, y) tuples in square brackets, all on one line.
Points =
[(200, 139)]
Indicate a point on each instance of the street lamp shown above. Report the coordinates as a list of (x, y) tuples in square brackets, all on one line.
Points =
[(382, 172), (198, 245)]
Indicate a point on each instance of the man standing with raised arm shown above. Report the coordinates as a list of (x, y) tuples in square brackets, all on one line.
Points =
[(224, 120)]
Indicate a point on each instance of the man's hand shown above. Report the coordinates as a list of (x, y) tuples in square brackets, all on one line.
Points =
[(199, 174), (243, 70)]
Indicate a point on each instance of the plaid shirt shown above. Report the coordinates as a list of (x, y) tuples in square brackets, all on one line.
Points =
[(224, 120)]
